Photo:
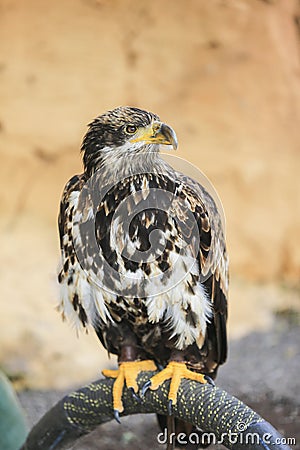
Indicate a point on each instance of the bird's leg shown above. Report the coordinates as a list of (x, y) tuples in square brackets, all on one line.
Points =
[(129, 369), (170, 432), (175, 370)]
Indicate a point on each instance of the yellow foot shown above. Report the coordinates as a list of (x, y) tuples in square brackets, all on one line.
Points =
[(127, 372), (176, 371)]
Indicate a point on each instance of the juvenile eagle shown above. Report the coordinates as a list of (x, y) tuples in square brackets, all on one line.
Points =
[(152, 279)]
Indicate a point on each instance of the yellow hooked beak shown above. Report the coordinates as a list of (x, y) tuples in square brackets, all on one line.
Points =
[(157, 133)]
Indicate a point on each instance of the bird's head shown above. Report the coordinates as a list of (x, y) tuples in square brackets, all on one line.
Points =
[(124, 133)]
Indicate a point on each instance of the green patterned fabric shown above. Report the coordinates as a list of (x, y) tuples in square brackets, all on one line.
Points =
[(208, 407)]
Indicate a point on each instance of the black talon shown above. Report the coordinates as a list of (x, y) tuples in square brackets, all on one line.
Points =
[(117, 416), (170, 407), (136, 397), (209, 380), (145, 388)]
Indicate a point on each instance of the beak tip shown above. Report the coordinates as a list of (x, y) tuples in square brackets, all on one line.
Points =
[(170, 135)]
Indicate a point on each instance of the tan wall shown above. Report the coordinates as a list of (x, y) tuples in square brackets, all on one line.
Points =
[(224, 73)]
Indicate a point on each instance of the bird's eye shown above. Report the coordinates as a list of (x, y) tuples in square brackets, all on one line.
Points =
[(130, 129)]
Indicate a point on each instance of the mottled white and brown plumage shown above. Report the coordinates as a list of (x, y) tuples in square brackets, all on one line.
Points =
[(143, 251)]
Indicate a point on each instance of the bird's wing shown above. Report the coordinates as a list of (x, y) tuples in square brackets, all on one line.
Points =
[(70, 276), (213, 263), (78, 296)]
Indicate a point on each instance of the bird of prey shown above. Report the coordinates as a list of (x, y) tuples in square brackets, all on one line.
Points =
[(143, 256)]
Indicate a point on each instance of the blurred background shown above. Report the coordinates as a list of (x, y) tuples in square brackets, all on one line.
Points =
[(225, 74)]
